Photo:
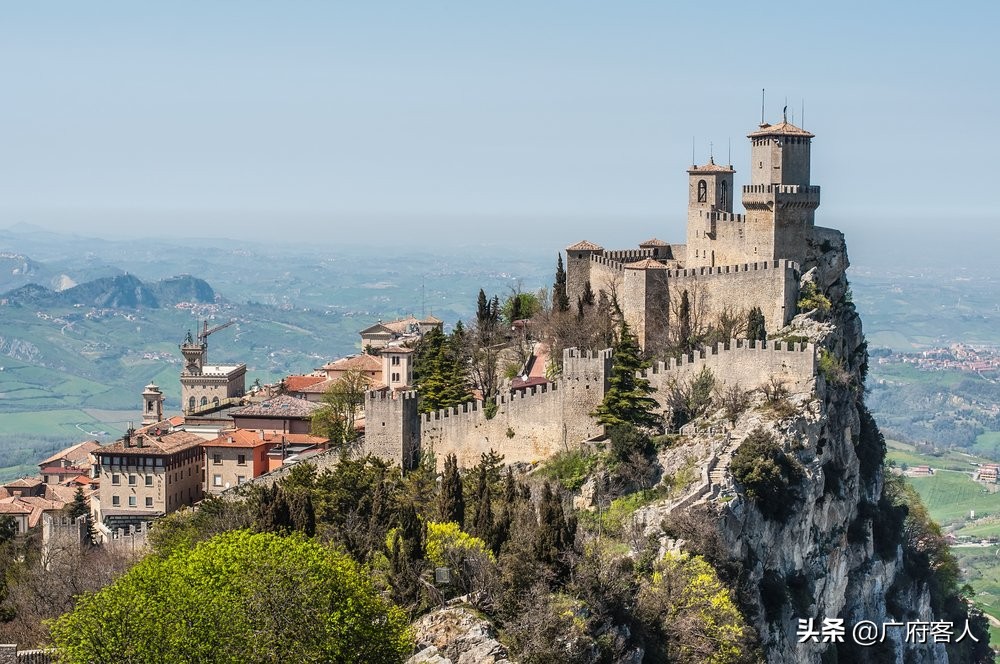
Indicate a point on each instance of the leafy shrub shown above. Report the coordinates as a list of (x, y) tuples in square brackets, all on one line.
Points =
[(570, 467), (768, 475), (810, 298), (832, 368), (734, 400)]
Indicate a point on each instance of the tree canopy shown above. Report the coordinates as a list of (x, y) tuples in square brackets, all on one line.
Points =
[(627, 400), (238, 597)]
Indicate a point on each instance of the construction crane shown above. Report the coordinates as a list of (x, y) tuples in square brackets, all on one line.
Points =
[(203, 335)]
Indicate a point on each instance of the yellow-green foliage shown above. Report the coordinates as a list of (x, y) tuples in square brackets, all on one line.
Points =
[(570, 467), (810, 298), (238, 597), (832, 368), (447, 543), (694, 610)]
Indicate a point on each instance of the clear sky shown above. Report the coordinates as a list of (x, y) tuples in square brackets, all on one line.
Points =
[(548, 120)]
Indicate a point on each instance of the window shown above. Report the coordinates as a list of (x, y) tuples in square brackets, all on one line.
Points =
[(241, 460), (723, 194), (116, 479), (191, 403), (395, 359), (149, 406), (216, 459), (702, 191), (132, 480), (149, 480), (215, 401), (131, 501), (204, 401), (149, 501), (216, 480), (395, 377), (240, 479), (116, 501)]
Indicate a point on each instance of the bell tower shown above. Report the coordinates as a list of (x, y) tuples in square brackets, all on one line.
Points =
[(152, 405), (710, 193), (194, 355)]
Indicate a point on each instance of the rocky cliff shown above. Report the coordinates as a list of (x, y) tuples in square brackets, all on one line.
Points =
[(832, 556)]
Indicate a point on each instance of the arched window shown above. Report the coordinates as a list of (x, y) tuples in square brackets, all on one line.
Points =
[(191, 403), (204, 401), (149, 406), (702, 191), (723, 194), (215, 401)]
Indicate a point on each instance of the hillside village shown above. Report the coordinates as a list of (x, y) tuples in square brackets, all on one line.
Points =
[(735, 348)]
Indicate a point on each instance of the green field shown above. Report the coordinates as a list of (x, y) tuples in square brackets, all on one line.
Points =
[(988, 443), (903, 453), (951, 495)]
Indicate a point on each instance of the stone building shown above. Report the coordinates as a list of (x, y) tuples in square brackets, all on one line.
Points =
[(145, 475), (730, 262), (206, 385)]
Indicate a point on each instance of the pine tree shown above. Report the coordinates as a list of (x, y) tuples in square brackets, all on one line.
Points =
[(451, 502), (588, 294), (627, 400), (483, 524), (482, 309), (78, 507), (301, 513), (756, 329), (560, 298)]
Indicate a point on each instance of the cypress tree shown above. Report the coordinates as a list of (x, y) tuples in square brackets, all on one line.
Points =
[(482, 309), (684, 322), (756, 329), (451, 503), (301, 512), (483, 523), (78, 507), (588, 294), (627, 400), (560, 298)]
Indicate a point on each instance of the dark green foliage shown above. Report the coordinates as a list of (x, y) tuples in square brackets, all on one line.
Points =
[(768, 475), (439, 370), (301, 513), (588, 294), (627, 440), (78, 507), (688, 400), (685, 342), (560, 299), (756, 328), (870, 446), (451, 501), (627, 399), (556, 534)]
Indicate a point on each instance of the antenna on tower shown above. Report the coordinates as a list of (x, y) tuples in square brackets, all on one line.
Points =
[(802, 117), (730, 141), (711, 153), (693, 162), (762, 106)]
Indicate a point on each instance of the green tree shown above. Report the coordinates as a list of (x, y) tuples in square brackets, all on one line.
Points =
[(341, 403), (627, 400), (560, 298), (684, 324), (239, 597), (440, 371), (451, 501), (78, 507), (756, 330)]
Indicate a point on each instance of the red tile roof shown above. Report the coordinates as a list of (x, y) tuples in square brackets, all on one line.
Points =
[(780, 129), (297, 383), (80, 451), (363, 362), (646, 264), (146, 444), (584, 245)]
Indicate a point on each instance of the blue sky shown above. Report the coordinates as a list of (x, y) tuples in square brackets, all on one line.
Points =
[(550, 120)]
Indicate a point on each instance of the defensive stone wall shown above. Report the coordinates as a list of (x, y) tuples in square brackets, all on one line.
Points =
[(772, 285), (628, 255), (748, 364), (392, 427)]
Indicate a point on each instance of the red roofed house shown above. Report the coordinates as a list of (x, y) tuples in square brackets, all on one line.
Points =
[(68, 463)]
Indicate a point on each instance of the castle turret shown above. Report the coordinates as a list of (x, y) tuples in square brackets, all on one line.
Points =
[(152, 405), (710, 192), (195, 354), (779, 200), (578, 257)]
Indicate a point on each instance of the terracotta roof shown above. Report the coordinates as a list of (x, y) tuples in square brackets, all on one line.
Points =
[(377, 328), (166, 425), (403, 325), (78, 451), (396, 349), (62, 470), (646, 264), (280, 406), (319, 388), (12, 507), (584, 245), (654, 242), (711, 167), (431, 319), (780, 129), (25, 482), (237, 438), (297, 383), (364, 362), (146, 444)]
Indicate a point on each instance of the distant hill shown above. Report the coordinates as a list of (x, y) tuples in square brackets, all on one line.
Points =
[(118, 292)]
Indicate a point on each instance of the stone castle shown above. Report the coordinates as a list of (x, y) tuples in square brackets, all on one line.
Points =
[(729, 263)]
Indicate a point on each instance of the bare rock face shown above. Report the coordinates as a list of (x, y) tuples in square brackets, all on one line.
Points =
[(456, 636), (824, 550)]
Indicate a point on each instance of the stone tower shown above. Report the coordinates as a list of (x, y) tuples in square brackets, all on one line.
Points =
[(780, 202), (195, 354), (710, 195), (152, 405)]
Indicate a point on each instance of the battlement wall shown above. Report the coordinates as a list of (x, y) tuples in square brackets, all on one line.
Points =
[(628, 255), (748, 364), (392, 428), (773, 286)]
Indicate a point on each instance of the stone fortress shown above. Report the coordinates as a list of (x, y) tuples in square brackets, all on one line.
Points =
[(729, 263)]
